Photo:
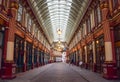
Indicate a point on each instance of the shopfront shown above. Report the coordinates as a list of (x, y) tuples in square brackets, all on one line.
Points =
[(29, 55), (42, 57), (1, 47), (100, 53), (40, 62), (35, 57), (83, 57), (90, 56), (19, 53), (117, 47)]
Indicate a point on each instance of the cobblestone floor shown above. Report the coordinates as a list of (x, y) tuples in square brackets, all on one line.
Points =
[(59, 72)]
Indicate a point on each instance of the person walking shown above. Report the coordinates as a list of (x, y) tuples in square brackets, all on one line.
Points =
[(71, 62), (80, 64)]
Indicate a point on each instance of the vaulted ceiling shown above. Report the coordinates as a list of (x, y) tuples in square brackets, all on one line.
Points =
[(59, 14)]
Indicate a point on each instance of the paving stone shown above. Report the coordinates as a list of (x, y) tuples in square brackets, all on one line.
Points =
[(59, 72)]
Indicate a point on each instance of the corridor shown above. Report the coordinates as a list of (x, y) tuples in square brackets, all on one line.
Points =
[(59, 72)]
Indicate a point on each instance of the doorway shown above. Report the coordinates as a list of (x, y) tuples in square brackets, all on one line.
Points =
[(118, 60), (100, 54), (1, 47), (19, 53)]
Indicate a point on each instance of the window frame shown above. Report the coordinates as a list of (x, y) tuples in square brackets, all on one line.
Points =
[(20, 13)]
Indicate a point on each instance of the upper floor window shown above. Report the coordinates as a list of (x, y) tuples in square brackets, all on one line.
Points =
[(29, 24), (88, 25), (92, 19), (5, 4), (99, 14), (115, 3), (26, 19), (85, 28), (35, 31), (19, 16), (1, 1)]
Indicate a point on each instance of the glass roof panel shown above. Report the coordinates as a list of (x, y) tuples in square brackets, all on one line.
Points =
[(63, 14), (59, 18)]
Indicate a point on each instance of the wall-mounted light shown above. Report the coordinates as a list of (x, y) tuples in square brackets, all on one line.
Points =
[(97, 41)]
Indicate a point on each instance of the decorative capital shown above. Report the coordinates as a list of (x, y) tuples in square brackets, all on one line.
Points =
[(104, 4), (14, 4)]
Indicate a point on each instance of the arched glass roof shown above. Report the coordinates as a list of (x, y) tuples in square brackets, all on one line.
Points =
[(63, 14)]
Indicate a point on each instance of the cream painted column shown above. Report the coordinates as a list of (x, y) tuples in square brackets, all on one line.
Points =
[(33, 54), (10, 51), (94, 54), (85, 54), (81, 54), (108, 51), (25, 52)]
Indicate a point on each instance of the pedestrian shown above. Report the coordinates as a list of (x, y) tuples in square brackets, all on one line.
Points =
[(71, 62), (80, 64)]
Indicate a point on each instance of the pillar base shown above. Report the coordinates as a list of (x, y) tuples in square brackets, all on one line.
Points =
[(25, 67), (94, 67), (86, 65), (67, 61), (38, 64), (77, 63), (110, 70), (33, 66), (8, 71), (0, 73)]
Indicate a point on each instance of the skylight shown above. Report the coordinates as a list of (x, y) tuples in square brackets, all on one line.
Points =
[(59, 14)]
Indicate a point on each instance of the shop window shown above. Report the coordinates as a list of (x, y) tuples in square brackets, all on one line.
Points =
[(29, 55), (90, 56), (117, 33), (19, 53), (19, 15), (35, 56), (40, 57), (100, 53)]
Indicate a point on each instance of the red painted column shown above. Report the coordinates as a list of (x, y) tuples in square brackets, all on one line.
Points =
[(109, 66), (9, 68)]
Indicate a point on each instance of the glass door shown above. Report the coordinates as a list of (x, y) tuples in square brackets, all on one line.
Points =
[(19, 53), (100, 54), (118, 60), (1, 47), (29, 55)]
